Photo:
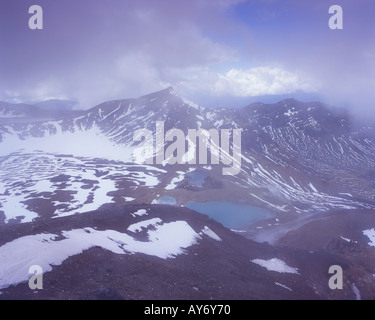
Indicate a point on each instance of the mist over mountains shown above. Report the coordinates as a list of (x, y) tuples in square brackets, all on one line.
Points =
[(57, 104)]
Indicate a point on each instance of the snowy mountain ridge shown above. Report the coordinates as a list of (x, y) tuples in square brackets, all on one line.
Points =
[(301, 157)]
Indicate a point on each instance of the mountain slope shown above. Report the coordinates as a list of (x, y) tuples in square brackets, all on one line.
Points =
[(296, 157)]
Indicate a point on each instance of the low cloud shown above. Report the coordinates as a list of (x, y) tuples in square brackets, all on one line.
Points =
[(261, 81), (257, 81)]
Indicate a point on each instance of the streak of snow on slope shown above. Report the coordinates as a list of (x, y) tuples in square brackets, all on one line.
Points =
[(275, 264), (288, 192), (283, 286), (208, 232), (356, 292)]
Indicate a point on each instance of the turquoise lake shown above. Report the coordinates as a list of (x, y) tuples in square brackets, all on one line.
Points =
[(230, 214)]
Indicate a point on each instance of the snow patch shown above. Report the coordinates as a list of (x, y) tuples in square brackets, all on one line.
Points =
[(290, 113), (30, 179), (140, 212), (148, 179), (166, 241), (275, 264), (100, 197), (137, 227), (91, 143), (370, 233), (173, 184)]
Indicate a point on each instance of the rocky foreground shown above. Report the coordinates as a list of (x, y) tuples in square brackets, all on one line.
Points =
[(124, 253)]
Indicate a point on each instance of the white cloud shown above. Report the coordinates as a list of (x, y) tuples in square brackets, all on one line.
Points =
[(41, 91), (255, 81), (135, 74)]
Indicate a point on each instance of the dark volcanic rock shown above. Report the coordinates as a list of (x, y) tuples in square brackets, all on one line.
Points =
[(210, 269)]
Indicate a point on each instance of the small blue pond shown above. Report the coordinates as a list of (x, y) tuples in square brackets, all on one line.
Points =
[(166, 200), (196, 177)]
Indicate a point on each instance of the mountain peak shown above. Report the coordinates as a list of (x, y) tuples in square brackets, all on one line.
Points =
[(170, 95), (163, 92)]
